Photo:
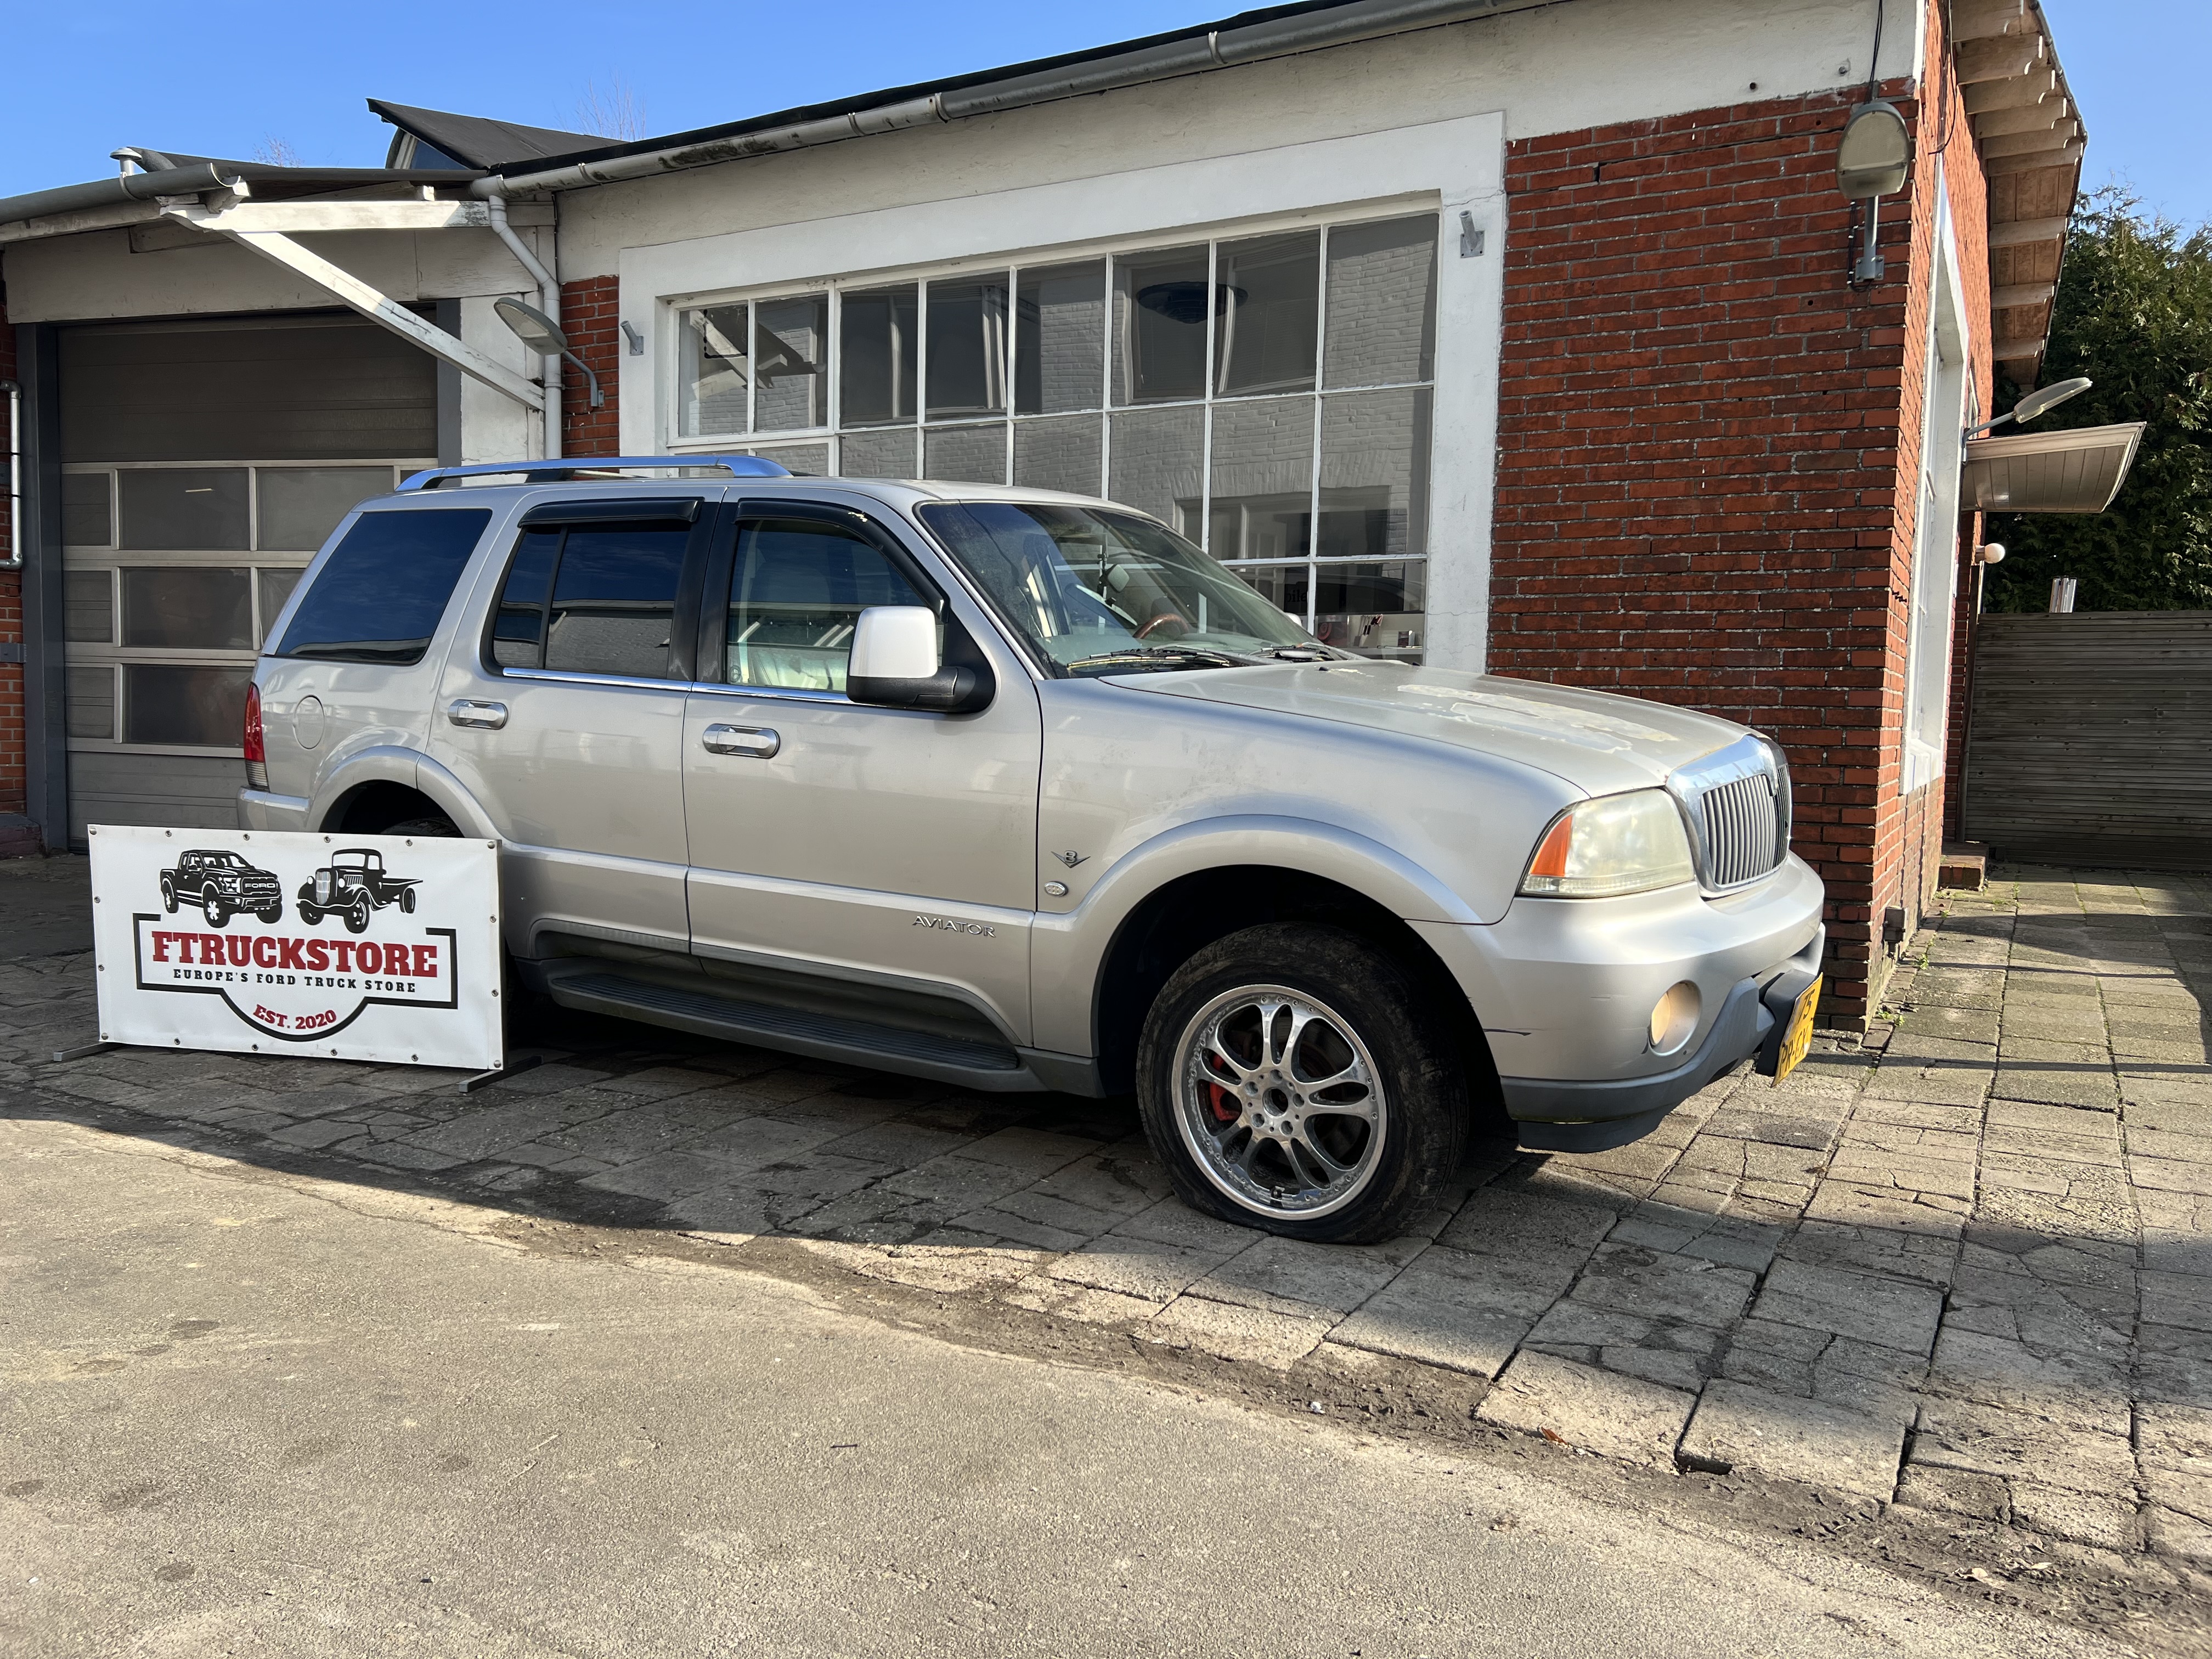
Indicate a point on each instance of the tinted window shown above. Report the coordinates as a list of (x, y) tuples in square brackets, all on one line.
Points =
[(379, 596), (518, 633), (614, 601), (796, 592)]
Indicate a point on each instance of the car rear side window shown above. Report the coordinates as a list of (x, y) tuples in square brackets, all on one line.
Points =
[(379, 596), (592, 599)]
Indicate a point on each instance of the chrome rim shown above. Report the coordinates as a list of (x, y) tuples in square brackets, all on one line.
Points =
[(1280, 1101)]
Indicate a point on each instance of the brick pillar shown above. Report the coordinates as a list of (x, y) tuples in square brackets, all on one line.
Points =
[(590, 317)]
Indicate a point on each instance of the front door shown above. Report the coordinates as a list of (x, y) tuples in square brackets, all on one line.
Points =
[(569, 726), (880, 845)]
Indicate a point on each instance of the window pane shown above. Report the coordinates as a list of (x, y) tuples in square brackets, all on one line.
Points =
[(967, 348), (85, 510), (301, 505), (184, 509), (92, 702), (380, 593), (1160, 326), (797, 591), (614, 601), (1282, 585), (88, 597), (1382, 302), (519, 628), (791, 348), (715, 374), (1375, 473), (975, 454), (887, 454), (1060, 454), (277, 588), (800, 460), (179, 608), (1263, 478), (1157, 462), (1373, 609), (1270, 299), (202, 707), (875, 377), (1060, 347)]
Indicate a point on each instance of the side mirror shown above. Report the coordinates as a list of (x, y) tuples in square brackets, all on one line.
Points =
[(893, 664)]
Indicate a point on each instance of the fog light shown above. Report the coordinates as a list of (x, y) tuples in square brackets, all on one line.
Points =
[(1675, 1017)]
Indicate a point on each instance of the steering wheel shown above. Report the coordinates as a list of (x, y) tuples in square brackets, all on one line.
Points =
[(1161, 621)]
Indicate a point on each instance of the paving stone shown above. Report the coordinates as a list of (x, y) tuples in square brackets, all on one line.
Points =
[(2023, 1446), (2182, 1299), (1448, 1309), (1929, 1214), (1871, 1169), (2105, 1522), (1331, 1277), (1737, 1122), (316, 1133), (1119, 1182), (1618, 1416), (958, 1180), (1038, 1152), (1948, 1018), (2065, 1084), (1628, 1279), (1879, 1250), (2082, 1391), (1137, 1267), (1892, 1313), (666, 1176), (1738, 1426), (1081, 1302), (1273, 1339), (1955, 1492), (2180, 1535)]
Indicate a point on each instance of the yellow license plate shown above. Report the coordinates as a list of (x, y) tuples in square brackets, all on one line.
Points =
[(1798, 1037)]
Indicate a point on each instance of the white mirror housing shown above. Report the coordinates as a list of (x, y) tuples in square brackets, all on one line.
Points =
[(894, 643)]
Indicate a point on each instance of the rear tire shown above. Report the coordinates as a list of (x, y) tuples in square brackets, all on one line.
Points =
[(435, 828), (1297, 1079)]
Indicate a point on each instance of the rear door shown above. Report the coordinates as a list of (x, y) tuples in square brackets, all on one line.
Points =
[(878, 844), (566, 718)]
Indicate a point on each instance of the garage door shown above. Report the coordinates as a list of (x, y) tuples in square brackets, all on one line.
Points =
[(204, 463)]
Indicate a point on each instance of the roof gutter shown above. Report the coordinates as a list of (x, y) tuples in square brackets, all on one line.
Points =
[(1106, 72), (195, 180)]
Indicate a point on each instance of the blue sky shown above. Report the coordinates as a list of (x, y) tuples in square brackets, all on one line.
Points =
[(233, 79)]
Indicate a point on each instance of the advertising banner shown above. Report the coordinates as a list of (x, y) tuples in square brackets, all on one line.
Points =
[(353, 947)]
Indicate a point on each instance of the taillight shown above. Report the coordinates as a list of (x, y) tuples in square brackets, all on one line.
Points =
[(257, 752)]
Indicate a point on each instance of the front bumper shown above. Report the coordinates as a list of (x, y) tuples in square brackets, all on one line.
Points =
[(1563, 989)]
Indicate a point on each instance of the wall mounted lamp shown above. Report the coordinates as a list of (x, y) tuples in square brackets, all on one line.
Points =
[(1871, 162), (542, 335), (2037, 403)]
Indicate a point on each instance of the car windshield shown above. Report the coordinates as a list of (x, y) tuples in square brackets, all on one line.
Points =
[(1098, 591)]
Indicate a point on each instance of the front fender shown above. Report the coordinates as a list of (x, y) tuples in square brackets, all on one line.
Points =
[(1067, 951)]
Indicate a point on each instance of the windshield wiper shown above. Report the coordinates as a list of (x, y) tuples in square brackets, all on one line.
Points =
[(1151, 653)]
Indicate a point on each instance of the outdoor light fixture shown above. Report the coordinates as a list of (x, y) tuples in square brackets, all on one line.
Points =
[(2037, 403), (1871, 163), (542, 335), (1992, 553)]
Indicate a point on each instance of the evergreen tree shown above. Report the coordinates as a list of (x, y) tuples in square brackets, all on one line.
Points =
[(2135, 314)]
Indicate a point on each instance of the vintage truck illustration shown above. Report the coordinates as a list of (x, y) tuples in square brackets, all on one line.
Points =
[(355, 885), (221, 883)]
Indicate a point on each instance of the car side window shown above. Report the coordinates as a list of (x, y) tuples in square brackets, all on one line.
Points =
[(592, 599), (797, 589), (379, 596)]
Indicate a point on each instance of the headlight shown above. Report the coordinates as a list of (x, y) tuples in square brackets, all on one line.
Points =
[(1616, 844)]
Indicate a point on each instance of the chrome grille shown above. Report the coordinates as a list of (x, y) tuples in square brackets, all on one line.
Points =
[(1743, 830), (1736, 801)]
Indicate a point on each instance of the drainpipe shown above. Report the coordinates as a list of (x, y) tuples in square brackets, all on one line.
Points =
[(549, 302), (14, 559)]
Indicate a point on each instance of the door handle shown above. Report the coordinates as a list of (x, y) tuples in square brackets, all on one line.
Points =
[(756, 741), (470, 711)]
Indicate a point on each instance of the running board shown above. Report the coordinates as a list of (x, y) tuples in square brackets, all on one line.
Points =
[(593, 989)]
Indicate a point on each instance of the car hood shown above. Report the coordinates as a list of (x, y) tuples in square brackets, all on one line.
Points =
[(1596, 741)]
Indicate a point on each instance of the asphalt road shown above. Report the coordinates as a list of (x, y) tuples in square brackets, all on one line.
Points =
[(247, 1414)]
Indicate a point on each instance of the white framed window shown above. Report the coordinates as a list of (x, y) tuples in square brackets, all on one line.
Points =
[(173, 574), (1268, 394), (1944, 401)]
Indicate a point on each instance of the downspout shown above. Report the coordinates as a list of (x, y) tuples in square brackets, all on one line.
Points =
[(14, 559), (549, 302)]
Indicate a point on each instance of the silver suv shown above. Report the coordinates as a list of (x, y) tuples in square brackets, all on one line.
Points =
[(1020, 791)]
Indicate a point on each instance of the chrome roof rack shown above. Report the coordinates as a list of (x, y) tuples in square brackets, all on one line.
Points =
[(564, 470)]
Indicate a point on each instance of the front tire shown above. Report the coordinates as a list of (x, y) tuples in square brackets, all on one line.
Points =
[(217, 913), (1297, 1078), (272, 915), (310, 916), (356, 915)]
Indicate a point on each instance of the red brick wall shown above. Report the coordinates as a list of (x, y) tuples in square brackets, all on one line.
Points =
[(11, 625), (591, 321), (1701, 493)]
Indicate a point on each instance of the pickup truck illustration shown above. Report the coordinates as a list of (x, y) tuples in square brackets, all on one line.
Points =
[(355, 885), (221, 883)]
